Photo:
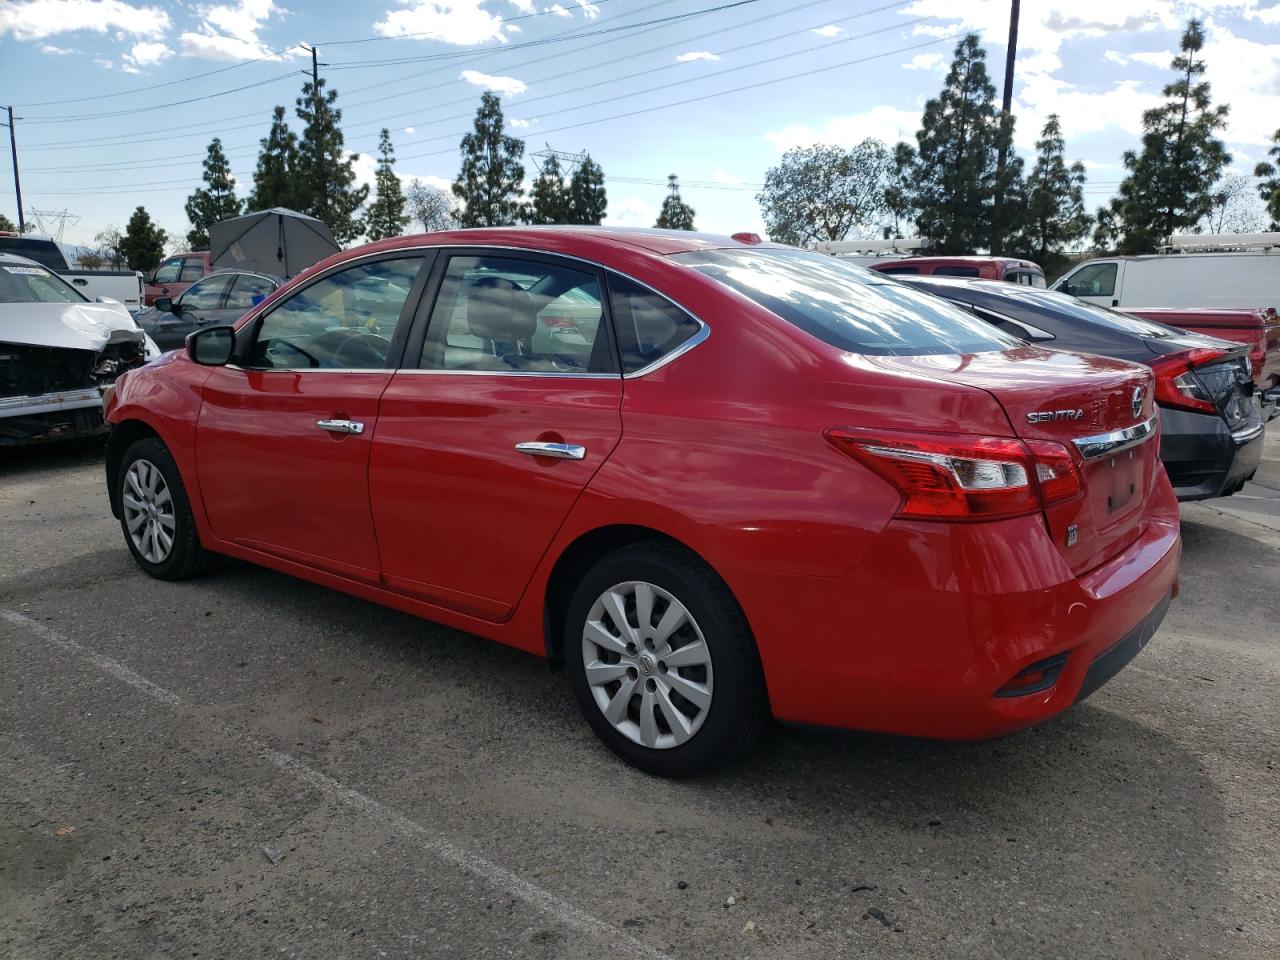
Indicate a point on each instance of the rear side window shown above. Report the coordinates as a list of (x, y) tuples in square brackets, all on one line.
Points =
[(1093, 280), (43, 252), (650, 327), (848, 307), (955, 271), (247, 291), (192, 270), (206, 295)]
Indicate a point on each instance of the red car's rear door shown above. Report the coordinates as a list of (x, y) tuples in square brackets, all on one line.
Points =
[(482, 450), (282, 444)]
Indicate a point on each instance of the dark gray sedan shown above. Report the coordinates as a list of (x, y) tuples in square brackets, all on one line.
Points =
[(219, 298)]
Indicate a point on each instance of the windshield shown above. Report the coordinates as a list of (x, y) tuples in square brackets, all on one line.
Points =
[(1091, 313), (23, 283), (851, 308)]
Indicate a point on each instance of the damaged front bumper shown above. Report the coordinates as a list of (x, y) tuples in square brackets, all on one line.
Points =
[(51, 416)]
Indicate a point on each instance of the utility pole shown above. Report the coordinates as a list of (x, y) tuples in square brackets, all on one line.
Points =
[(1002, 157), (321, 176), (17, 183)]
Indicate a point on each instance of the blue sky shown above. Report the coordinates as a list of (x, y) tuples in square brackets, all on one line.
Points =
[(714, 97)]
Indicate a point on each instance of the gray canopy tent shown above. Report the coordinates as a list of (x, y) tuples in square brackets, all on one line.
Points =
[(279, 242)]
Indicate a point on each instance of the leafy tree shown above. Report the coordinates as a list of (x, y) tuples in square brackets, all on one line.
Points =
[(386, 216), (675, 214), (1054, 214), (1106, 230), (549, 200), (823, 192), (1169, 186), (899, 189), (90, 260), (142, 246), (7, 225), (587, 201), (110, 243), (325, 177), (955, 169), (489, 182), (215, 201), (274, 179), (1236, 208), (1269, 188), (430, 207)]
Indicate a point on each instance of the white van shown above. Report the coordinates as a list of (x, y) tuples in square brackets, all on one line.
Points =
[(1247, 278)]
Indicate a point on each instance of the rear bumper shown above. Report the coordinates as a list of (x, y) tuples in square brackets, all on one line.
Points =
[(1203, 457), (925, 636)]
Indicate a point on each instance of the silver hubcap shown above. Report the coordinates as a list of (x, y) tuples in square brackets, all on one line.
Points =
[(647, 664), (148, 511)]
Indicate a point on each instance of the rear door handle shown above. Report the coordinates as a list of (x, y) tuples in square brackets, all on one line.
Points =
[(559, 451), (341, 426)]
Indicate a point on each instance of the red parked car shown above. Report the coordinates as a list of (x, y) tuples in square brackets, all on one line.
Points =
[(717, 480), (1008, 269), (174, 275), (1259, 328)]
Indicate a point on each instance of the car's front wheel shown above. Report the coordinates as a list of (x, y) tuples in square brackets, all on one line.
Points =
[(662, 661), (155, 513)]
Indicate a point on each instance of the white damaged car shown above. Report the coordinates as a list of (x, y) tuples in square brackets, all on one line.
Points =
[(59, 352)]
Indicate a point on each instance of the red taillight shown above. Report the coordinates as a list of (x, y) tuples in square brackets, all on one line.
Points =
[(1177, 386), (954, 477)]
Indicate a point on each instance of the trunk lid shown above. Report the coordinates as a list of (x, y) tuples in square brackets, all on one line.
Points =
[(1067, 398)]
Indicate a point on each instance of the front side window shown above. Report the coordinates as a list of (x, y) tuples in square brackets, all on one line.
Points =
[(248, 290), (206, 295), (343, 321), (1092, 280), (192, 269), (499, 314), (852, 309), (20, 283), (649, 326), (169, 271)]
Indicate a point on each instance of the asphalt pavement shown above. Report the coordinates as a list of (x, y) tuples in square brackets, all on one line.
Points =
[(246, 765)]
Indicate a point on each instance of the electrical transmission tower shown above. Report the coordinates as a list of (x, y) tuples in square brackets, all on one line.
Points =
[(43, 219), (569, 162)]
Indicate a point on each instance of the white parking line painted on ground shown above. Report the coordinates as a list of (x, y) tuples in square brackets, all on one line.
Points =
[(543, 900)]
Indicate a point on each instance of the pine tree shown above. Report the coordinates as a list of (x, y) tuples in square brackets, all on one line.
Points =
[(955, 169), (143, 243), (7, 225), (273, 181), (1269, 188), (325, 178), (676, 214), (1170, 183), (587, 201), (549, 196), (215, 201), (1055, 216), (899, 190), (386, 216), (489, 182)]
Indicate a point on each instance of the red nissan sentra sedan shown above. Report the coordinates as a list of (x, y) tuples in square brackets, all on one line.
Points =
[(718, 480)]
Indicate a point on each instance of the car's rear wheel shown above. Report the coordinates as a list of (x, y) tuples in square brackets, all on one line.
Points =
[(662, 661), (155, 513)]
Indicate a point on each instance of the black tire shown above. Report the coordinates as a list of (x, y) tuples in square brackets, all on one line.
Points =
[(739, 708), (186, 557)]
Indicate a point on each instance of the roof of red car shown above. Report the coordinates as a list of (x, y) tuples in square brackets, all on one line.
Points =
[(662, 242)]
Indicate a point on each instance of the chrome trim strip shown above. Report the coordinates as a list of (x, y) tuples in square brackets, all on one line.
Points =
[(1115, 441), (417, 371), (678, 352), (51, 402), (1245, 434), (558, 451)]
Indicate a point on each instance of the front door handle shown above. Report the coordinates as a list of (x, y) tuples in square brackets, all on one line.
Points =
[(559, 451), (341, 426)]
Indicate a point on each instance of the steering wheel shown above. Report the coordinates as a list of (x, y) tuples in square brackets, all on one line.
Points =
[(362, 351)]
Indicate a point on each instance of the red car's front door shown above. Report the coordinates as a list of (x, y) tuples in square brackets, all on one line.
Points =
[(481, 452), (282, 443)]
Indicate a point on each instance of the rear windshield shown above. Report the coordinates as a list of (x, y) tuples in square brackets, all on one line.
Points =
[(41, 251), (851, 308), (1061, 303)]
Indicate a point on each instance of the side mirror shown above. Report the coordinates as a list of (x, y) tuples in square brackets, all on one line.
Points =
[(212, 346), (164, 304)]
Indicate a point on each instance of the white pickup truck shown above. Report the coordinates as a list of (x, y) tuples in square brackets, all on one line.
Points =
[(122, 285)]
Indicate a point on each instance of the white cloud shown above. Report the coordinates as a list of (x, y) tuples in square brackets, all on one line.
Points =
[(589, 9), (505, 85), (630, 212), (883, 123), (104, 64), (524, 6), (1153, 58), (460, 22), (1115, 56), (558, 10), (728, 179), (410, 130), (50, 49), (925, 61), (230, 31), (147, 54), (518, 124), (696, 55), (37, 19), (830, 30)]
